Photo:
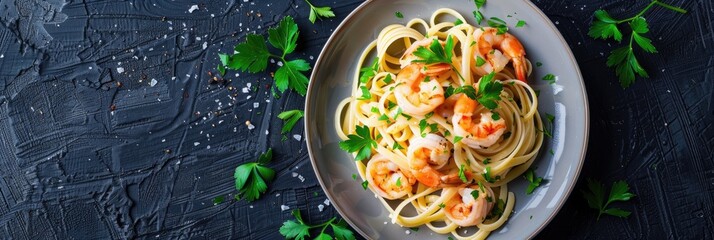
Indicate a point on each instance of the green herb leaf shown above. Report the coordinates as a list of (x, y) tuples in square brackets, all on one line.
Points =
[(251, 178), (361, 143), (479, 3), (478, 16), (290, 118), (462, 174), (316, 12), (489, 91), (639, 25), (474, 193), (458, 139), (533, 180), (498, 24), (284, 37), (290, 75), (399, 182), (251, 55), (487, 175), (341, 231), (644, 43), (480, 61), (366, 95), (550, 78), (520, 23), (388, 79), (365, 184), (435, 53), (458, 22), (596, 197), (367, 73), (604, 27), (399, 14)]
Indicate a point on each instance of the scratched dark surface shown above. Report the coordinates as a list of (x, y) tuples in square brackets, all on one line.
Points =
[(111, 129)]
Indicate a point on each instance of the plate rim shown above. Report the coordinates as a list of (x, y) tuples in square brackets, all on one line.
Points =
[(571, 57)]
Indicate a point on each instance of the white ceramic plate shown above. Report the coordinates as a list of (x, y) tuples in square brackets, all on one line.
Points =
[(332, 78)]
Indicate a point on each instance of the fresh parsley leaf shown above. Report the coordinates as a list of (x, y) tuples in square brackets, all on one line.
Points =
[(520, 23), (458, 139), (251, 178), (595, 197), (533, 180), (487, 175), (498, 24), (435, 53), (467, 90), (489, 91), (480, 61), (388, 79), (299, 229), (354, 176), (218, 200), (550, 78), (284, 37), (399, 14), (539, 64), (361, 143), (290, 75), (442, 205), (365, 184), (290, 118), (550, 117), (458, 22), (474, 193), (251, 55), (462, 174), (399, 182), (367, 73), (604, 27), (316, 12), (623, 59), (486, 160), (366, 95), (495, 116), (479, 3), (478, 16)]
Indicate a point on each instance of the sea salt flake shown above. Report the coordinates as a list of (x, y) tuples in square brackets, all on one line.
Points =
[(120, 70), (193, 8), (283, 207), (297, 137), (320, 207), (295, 174)]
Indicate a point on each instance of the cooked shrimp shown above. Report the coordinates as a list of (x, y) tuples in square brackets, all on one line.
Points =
[(416, 96), (477, 133), (465, 210), (446, 109), (498, 50), (427, 156), (387, 179), (408, 57)]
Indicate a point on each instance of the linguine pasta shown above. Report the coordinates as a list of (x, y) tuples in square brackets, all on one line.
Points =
[(444, 159)]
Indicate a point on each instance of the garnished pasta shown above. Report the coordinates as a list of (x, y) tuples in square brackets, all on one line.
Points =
[(441, 121)]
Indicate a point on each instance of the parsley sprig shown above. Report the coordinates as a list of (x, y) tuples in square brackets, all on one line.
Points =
[(300, 230), (477, 13), (436, 54), (252, 56), (290, 118), (489, 91), (623, 59), (319, 12), (361, 143), (251, 178), (533, 180), (596, 197)]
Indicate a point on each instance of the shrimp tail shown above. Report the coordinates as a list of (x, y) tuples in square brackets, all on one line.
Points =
[(519, 64)]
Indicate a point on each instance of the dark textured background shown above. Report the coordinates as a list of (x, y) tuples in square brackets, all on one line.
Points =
[(110, 128)]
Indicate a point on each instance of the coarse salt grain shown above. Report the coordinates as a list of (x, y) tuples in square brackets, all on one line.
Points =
[(297, 137), (327, 202), (320, 207), (120, 70), (283, 207), (295, 174), (193, 8)]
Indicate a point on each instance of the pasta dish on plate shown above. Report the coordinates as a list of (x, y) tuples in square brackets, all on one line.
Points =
[(441, 121)]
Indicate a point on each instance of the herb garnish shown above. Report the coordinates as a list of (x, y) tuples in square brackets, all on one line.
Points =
[(596, 197), (316, 12), (520, 24), (299, 230), (399, 14), (477, 13), (550, 78), (290, 118), (498, 24), (623, 59), (252, 56), (436, 54), (361, 143), (533, 180), (462, 174), (251, 178), (489, 91)]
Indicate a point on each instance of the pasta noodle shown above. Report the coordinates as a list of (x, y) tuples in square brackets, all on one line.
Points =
[(442, 158)]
